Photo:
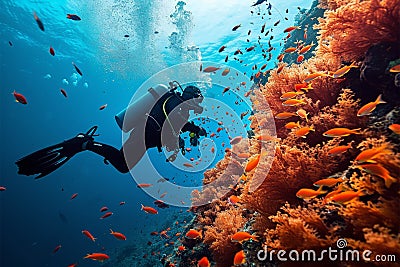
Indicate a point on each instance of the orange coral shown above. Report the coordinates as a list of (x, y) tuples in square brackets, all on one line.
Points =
[(349, 28), (219, 235)]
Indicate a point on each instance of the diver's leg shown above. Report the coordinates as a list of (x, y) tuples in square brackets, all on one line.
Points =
[(111, 154), (134, 149)]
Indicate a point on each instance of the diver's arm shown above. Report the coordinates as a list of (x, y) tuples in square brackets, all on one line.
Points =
[(193, 128)]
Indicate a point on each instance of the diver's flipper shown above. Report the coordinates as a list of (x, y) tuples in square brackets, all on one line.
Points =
[(49, 159)]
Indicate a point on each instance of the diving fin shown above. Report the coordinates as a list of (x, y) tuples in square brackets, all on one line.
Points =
[(49, 159)]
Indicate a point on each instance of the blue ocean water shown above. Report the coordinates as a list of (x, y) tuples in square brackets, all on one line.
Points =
[(38, 215)]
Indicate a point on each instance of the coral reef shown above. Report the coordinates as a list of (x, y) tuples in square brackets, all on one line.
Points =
[(349, 28), (363, 206)]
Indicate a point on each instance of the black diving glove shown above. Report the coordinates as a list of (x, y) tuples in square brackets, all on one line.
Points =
[(202, 132), (195, 135)]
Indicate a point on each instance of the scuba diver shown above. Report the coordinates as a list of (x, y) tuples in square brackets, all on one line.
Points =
[(156, 119)]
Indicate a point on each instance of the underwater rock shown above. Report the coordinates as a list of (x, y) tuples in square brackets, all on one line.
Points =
[(397, 80), (376, 61), (374, 70)]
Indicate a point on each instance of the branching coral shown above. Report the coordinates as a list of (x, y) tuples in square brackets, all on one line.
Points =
[(218, 236), (299, 228), (349, 28), (292, 169)]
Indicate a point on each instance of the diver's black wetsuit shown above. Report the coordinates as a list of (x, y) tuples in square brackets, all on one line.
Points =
[(153, 130), (160, 130)]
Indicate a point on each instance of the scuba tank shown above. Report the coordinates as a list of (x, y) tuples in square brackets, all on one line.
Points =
[(136, 113)]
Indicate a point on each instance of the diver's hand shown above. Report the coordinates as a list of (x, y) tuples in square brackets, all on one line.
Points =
[(202, 132)]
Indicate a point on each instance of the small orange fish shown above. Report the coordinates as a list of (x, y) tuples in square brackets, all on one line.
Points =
[(97, 256), (340, 132), (302, 86), (395, 128), (284, 115), (210, 69), (193, 234), (266, 138), (395, 69), (346, 196), (371, 106), (64, 93), (306, 48), (339, 149), (291, 28), (290, 50), (3, 188), (236, 140), (188, 165), (236, 27), (181, 248), (303, 131), (51, 51), (302, 114), (203, 262), (332, 193), (73, 17), (379, 170), (225, 72), (73, 265), (367, 156), (226, 89), (74, 195), (149, 209), (89, 235), (222, 48), (280, 68), (233, 200), (107, 214), (103, 209), (292, 125), (300, 58), (307, 193), (280, 57), (19, 98), (328, 182), (77, 69), (118, 235), (294, 102), (252, 163), (244, 155), (57, 248), (103, 107), (122, 203), (251, 48), (38, 21), (342, 71), (312, 76), (240, 258), (242, 236), (144, 185), (289, 95)]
